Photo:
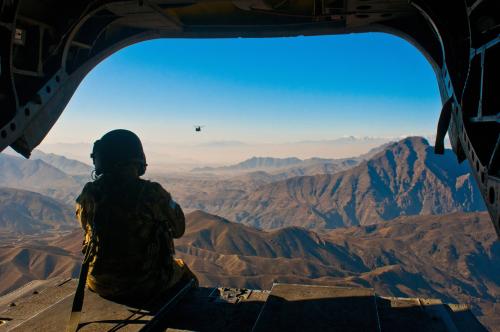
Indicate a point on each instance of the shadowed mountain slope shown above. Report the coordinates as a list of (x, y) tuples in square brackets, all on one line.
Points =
[(457, 244), (38, 258), (406, 178), (211, 191), (27, 212), (37, 175), (215, 234), (318, 166)]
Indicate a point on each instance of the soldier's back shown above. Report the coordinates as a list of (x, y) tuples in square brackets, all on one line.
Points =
[(132, 243)]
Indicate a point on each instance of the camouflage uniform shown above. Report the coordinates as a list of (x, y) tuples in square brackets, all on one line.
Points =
[(130, 223)]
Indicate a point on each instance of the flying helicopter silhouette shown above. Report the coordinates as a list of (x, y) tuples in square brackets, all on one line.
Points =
[(198, 128)]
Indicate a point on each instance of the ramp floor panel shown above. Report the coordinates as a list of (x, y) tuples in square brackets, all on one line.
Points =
[(202, 309), (318, 308), (45, 306)]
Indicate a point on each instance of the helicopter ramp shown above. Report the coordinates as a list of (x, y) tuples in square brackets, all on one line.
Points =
[(46, 305)]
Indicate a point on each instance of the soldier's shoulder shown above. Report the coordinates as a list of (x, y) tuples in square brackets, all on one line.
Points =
[(154, 188), (89, 186), (89, 190)]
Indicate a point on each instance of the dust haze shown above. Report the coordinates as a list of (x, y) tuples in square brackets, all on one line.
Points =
[(167, 157)]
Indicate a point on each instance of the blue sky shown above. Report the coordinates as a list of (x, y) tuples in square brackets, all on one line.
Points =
[(257, 90)]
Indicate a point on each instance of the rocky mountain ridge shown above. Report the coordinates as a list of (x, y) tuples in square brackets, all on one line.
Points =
[(26, 212), (39, 176), (67, 165), (406, 178)]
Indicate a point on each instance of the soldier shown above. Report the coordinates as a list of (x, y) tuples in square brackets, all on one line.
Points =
[(129, 224)]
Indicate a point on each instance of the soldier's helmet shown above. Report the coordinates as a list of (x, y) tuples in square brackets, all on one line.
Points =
[(116, 148)]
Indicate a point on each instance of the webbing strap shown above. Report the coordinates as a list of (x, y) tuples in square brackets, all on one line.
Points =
[(443, 125), (76, 309)]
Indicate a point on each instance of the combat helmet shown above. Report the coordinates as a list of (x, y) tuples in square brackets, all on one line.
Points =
[(115, 148)]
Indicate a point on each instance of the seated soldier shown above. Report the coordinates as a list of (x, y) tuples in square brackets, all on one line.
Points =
[(129, 224)]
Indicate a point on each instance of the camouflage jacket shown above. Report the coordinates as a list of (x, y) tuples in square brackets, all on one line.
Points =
[(130, 224)]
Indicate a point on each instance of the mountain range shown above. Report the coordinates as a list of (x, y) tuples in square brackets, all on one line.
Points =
[(26, 212), (198, 152), (293, 166), (406, 178), (454, 257), (69, 166), (40, 176), (27, 258), (254, 163), (401, 178)]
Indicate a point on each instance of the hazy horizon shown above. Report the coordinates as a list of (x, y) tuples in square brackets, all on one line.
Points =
[(185, 156)]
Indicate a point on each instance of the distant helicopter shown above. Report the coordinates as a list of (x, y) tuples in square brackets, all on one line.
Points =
[(198, 128)]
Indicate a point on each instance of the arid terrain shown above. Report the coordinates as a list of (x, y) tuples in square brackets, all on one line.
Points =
[(453, 257), (39, 176), (401, 178), (26, 212), (399, 219), (404, 178)]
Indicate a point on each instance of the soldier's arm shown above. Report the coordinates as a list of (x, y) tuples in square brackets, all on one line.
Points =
[(83, 214), (79, 213), (173, 211), (81, 210), (177, 216)]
